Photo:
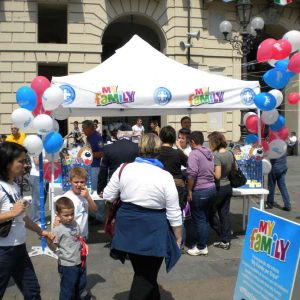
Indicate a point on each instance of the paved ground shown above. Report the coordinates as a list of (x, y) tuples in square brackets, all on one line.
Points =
[(205, 278)]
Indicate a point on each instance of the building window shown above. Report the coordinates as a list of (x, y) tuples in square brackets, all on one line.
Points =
[(52, 24)]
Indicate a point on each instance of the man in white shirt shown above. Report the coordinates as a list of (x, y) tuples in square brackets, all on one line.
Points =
[(292, 143), (138, 130)]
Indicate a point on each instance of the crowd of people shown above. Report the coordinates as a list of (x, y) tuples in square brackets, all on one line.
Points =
[(158, 176)]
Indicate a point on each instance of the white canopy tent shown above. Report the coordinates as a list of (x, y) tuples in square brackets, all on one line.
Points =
[(139, 80)]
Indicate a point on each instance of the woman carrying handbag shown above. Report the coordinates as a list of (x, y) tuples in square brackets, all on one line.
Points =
[(219, 217)]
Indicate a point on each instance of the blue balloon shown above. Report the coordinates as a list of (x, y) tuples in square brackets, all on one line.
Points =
[(26, 98), (53, 142), (282, 64), (251, 139), (278, 124), (265, 101), (276, 78)]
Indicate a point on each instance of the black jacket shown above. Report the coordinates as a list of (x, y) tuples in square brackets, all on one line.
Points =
[(114, 155)]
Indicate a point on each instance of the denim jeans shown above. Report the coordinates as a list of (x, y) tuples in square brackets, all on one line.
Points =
[(221, 205), (277, 175), (200, 205), (15, 263), (35, 205), (72, 282)]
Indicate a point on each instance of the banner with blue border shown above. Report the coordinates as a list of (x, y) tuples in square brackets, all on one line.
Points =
[(269, 259)]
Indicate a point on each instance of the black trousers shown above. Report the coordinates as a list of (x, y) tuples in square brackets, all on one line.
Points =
[(221, 205), (144, 285)]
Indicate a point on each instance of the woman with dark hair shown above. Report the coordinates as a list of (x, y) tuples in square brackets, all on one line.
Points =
[(14, 259), (148, 222), (223, 160), (172, 160), (201, 190)]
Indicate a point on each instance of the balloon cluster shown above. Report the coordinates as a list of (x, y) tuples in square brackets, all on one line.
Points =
[(277, 53), (39, 106)]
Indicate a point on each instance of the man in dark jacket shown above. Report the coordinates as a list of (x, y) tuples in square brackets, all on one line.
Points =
[(123, 150)]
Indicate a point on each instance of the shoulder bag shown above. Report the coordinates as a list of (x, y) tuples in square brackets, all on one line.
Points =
[(5, 226), (110, 223), (236, 176)]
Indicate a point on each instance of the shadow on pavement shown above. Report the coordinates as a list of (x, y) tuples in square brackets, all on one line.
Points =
[(165, 295)]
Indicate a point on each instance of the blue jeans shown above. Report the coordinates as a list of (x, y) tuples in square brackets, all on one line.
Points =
[(200, 205), (35, 193), (277, 175), (221, 205), (72, 282), (15, 263)]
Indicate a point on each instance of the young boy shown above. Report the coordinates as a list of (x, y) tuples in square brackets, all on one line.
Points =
[(68, 245), (81, 199)]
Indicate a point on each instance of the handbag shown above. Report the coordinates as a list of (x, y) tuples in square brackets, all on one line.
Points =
[(110, 223), (236, 176), (5, 226)]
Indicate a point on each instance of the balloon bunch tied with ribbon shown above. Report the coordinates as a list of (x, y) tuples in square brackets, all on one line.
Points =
[(277, 54), (40, 105)]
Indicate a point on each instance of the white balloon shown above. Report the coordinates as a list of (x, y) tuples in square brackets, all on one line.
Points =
[(278, 96), (248, 114), (270, 117), (61, 113), (272, 62), (266, 166), (43, 124), (22, 118), (277, 148), (33, 144), (293, 37), (55, 126), (52, 97)]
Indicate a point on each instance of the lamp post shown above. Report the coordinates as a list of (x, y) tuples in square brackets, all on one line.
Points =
[(243, 43)]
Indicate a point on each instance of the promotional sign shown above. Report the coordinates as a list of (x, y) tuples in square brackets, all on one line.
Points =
[(252, 169), (269, 263)]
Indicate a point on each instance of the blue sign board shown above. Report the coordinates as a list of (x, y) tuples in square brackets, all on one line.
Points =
[(269, 259)]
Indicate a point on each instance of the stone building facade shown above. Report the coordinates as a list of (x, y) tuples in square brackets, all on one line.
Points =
[(60, 37)]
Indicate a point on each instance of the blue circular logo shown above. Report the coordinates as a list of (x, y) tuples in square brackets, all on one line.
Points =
[(247, 96), (69, 94), (162, 96)]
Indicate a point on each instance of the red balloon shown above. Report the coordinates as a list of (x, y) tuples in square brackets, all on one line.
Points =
[(293, 98), (265, 50), (40, 84), (39, 109), (47, 170), (281, 49), (282, 133), (252, 124), (294, 63)]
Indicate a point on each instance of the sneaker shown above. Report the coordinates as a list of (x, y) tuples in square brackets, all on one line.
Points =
[(268, 206), (286, 208), (225, 246), (195, 251)]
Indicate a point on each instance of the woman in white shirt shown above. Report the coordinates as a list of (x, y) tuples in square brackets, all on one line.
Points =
[(149, 204), (14, 259)]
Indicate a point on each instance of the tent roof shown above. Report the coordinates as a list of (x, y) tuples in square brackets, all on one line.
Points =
[(139, 80)]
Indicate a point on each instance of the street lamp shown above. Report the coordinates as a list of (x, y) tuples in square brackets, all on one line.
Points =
[(243, 43)]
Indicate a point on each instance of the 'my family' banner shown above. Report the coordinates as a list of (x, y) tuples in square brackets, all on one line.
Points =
[(269, 263)]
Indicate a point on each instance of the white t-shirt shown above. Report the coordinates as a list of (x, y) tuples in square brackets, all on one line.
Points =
[(137, 132), (148, 186), (17, 231), (81, 211)]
